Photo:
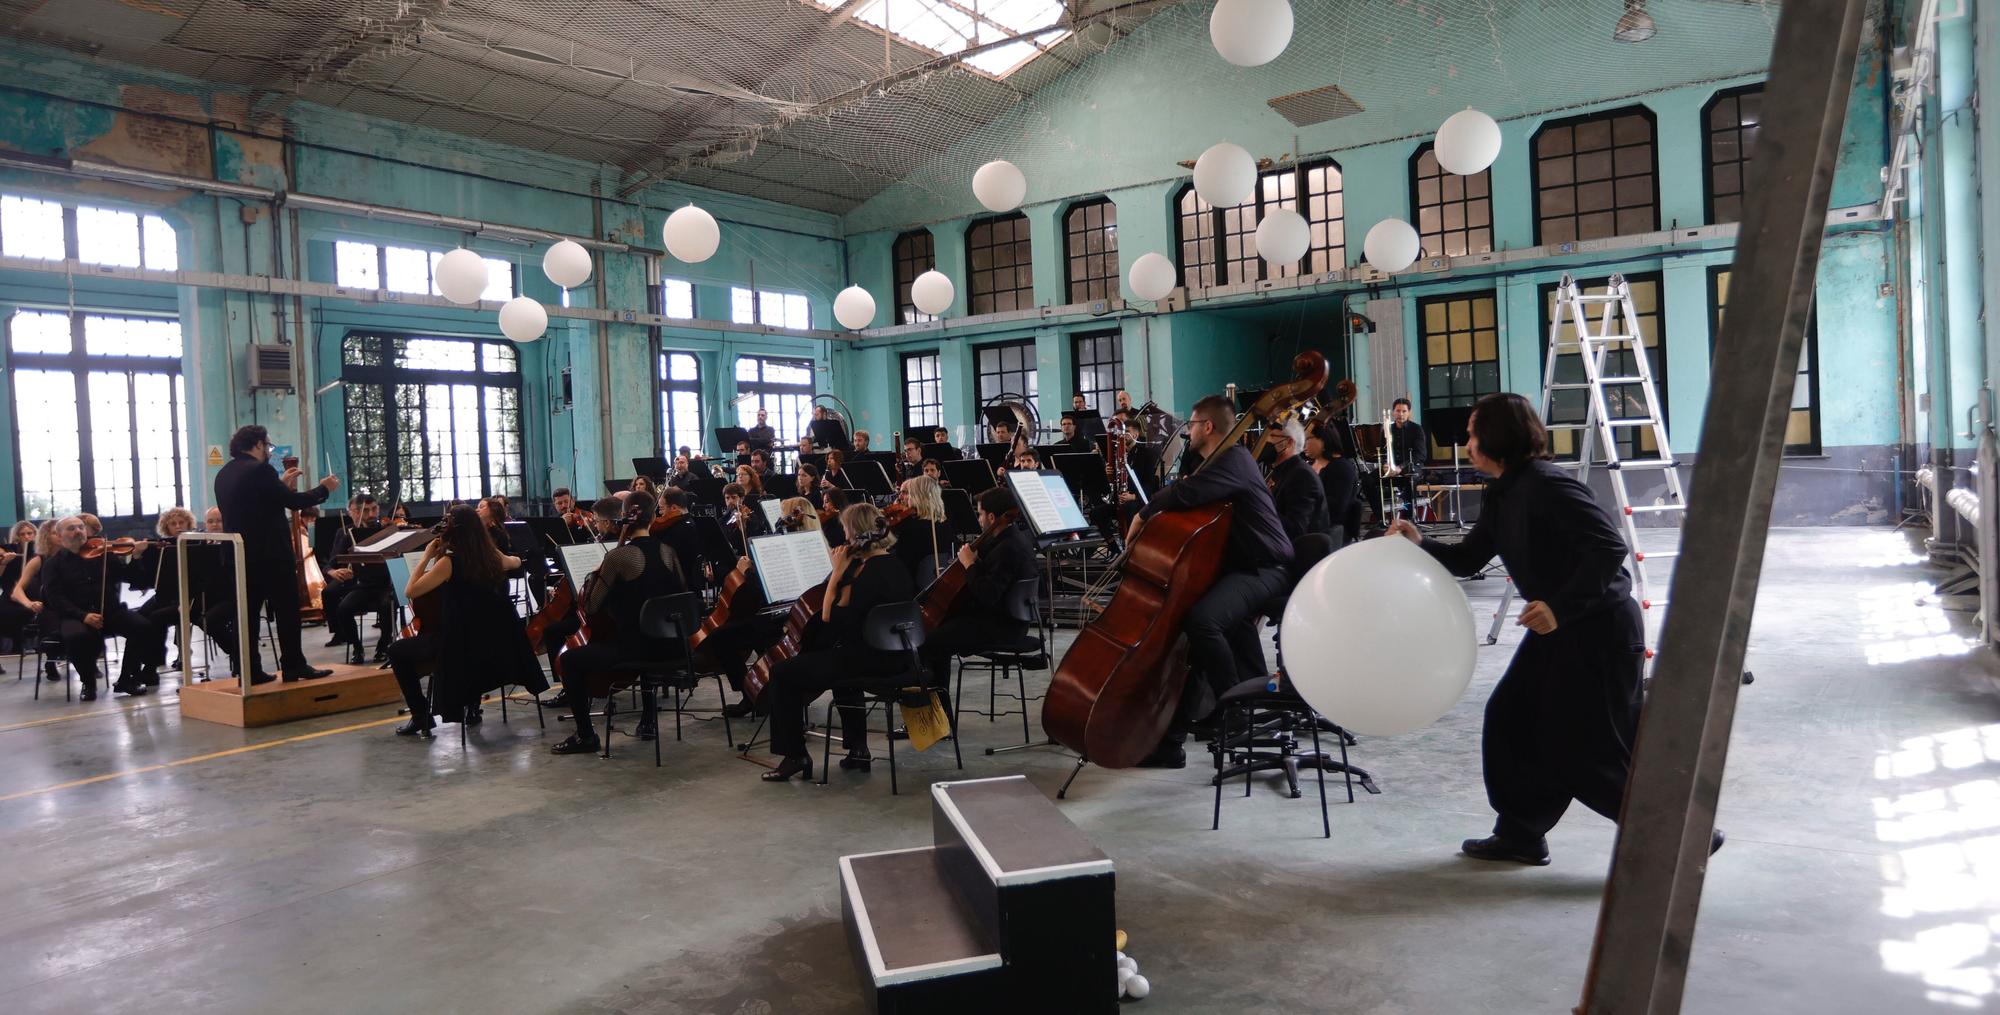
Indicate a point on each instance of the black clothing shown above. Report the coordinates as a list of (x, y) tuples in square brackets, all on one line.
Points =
[(345, 602), (412, 659), (917, 541), (1342, 482), (621, 595), (1006, 559), (680, 537), (365, 575), (1144, 461), (760, 433), (1256, 537), (253, 501), (846, 664), (482, 646), (1560, 723), (1221, 629), (867, 584), (1300, 498), (73, 588)]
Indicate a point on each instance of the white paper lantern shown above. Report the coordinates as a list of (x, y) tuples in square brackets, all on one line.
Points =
[(854, 308), (932, 292), (1467, 142), (692, 234), (1283, 237), (1152, 277), (999, 185), (1249, 33), (461, 276), (1225, 175), (1391, 245), (567, 264), (523, 320)]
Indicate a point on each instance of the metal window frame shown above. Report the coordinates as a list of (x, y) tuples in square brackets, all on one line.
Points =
[(973, 240), (1809, 351), (979, 391), (903, 257), (1417, 206), (1110, 252), (903, 361), (1658, 279), (1423, 345), (387, 379), (1219, 230), (1076, 364), (1535, 164), (1742, 160), (667, 387)]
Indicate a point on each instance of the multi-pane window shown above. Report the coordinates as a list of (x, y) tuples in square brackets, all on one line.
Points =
[(1218, 246), (999, 270), (1100, 369), (100, 414), (1007, 369), (410, 270), (680, 401), (923, 391), (783, 388), (914, 254), (767, 307), (1594, 177), (1458, 348), (1090, 236), (1802, 425), (1454, 213), (53, 231), (1623, 401), (1731, 120), (677, 298), (432, 419)]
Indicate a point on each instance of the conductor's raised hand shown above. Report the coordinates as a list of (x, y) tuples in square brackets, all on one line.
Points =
[(1407, 529), (331, 482)]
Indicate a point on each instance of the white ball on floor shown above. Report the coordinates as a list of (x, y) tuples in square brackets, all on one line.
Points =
[(1136, 987), (1128, 963)]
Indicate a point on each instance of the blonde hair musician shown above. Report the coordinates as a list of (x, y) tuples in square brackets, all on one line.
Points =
[(924, 537)]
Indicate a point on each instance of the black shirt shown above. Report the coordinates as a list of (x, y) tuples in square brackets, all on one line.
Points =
[(1300, 497), (878, 580), (1256, 538), (253, 501), (1411, 446), (917, 539), (761, 433), (73, 587), (1341, 480), (1007, 557), (1559, 544), (367, 576)]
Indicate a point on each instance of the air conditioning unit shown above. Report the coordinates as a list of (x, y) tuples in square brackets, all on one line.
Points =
[(270, 367)]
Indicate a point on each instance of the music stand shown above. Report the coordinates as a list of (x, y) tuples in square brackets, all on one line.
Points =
[(829, 433), (1084, 472), (730, 436), (998, 415), (817, 460), (707, 492), (869, 477), (1449, 426), (972, 475), (655, 469), (1089, 422), (549, 530), (1246, 399), (939, 453), (1046, 503), (711, 541), (994, 454), (958, 511)]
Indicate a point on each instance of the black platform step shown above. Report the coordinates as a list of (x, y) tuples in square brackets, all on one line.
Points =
[(916, 945)]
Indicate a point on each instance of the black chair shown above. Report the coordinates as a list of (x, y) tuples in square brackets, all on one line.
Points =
[(50, 658), (1010, 656), (890, 627), (664, 619)]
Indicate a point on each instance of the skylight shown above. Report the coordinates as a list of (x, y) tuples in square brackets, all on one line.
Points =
[(946, 27)]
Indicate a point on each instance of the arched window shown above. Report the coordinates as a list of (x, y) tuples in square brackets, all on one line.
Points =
[(1090, 244), (1453, 213), (1218, 246), (1595, 176), (914, 253), (1000, 271), (432, 419)]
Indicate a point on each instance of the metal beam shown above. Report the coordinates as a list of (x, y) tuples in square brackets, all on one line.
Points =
[(1645, 930)]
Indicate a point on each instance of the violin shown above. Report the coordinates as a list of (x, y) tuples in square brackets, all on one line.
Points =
[(669, 514), (898, 513), (123, 546)]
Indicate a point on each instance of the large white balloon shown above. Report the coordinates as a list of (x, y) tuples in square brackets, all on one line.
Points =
[(1467, 142), (692, 234), (1378, 637), (523, 320), (1225, 175), (1249, 33), (999, 186), (1152, 277), (932, 292), (1283, 236), (567, 264), (461, 276), (1392, 245), (854, 308)]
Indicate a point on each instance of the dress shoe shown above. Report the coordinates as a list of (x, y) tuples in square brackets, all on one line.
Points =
[(1715, 841), (415, 728), (353, 655), (129, 686), (50, 671), (309, 673), (1493, 847), (89, 693), (260, 678), (149, 675), (577, 744), (1170, 754), (857, 761), (335, 640), (381, 657), (739, 708), (801, 765)]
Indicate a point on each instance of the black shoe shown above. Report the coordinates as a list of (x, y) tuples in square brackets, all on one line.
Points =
[(51, 672), (353, 655), (739, 709), (857, 761), (381, 657), (260, 678), (309, 673), (335, 640), (129, 686), (1170, 754), (577, 744), (473, 716), (89, 693), (803, 764), (415, 728), (900, 733), (1715, 841), (1494, 847), (648, 730), (149, 675)]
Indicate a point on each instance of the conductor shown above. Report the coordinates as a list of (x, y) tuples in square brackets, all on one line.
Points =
[(253, 500)]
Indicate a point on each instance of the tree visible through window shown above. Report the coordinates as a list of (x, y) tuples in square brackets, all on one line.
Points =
[(432, 419)]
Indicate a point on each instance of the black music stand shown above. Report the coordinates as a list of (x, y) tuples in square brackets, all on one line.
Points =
[(817, 460), (972, 475), (939, 453), (1083, 473), (994, 454), (655, 469), (1450, 426), (707, 492), (614, 487), (1089, 422), (829, 433), (958, 511), (549, 530), (996, 415), (869, 477), (712, 543), (1246, 399)]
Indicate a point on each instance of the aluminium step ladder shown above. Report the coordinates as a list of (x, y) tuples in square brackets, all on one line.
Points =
[(1613, 354)]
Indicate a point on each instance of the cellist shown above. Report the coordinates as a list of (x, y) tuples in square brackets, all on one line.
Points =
[(1223, 647), (640, 568), (602, 524), (1001, 558)]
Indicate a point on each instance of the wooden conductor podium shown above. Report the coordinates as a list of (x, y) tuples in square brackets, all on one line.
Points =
[(240, 703)]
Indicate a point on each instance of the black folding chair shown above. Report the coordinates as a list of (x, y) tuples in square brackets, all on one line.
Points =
[(890, 627), (663, 619)]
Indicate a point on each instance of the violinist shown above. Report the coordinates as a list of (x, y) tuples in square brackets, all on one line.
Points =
[(480, 643), (832, 503), (741, 517), (1295, 488), (1223, 648), (640, 569), (157, 568), (26, 592), (79, 594), (799, 515), (576, 521), (1001, 558), (602, 519), (355, 589), (254, 500), (19, 552), (924, 537), (865, 575), (673, 528), (399, 515), (211, 520)]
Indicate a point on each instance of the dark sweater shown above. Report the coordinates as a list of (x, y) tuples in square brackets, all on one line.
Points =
[(1256, 537), (1559, 544)]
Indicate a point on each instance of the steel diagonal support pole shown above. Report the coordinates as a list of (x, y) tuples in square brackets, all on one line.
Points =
[(1645, 929)]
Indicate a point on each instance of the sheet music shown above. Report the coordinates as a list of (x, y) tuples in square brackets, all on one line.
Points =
[(581, 560), (400, 570), (1046, 501), (790, 563), (774, 511)]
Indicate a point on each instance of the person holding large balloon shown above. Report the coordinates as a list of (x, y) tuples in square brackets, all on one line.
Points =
[(1560, 724)]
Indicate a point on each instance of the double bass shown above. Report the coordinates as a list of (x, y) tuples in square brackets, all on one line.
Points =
[(1114, 692)]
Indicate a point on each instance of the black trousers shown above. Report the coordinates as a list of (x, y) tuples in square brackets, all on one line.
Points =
[(274, 584), (14, 618), (963, 634), (85, 645), (412, 659), (729, 647), (1560, 724), (798, 681), (1221, 628), (346, 601), (585, 665)]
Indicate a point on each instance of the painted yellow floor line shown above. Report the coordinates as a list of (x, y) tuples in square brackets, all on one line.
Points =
[(32, 723), (246, 749)]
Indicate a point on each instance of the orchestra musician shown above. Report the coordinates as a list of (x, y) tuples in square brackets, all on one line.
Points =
[(20, 550), (157, 569), (762, 432), (254, 500), (760, 463), (924, 536), (866, 574), (798, 514), (1001, 558), (1223, 647), (805, 445), (832, 503), (1329, 454), (835, 461), (934, 472), (741, 518), (679, 535), (641, 484), (602, 519), (355, 589), (859, 439), (26, 592), (940, 436), (399, 515), (211, 520), (742, 451), (80, 595), (1077, 402), (807, 483), (751, 482), (576, 526), (912, 462), (683, 473), (1003, 433), (1071, 440), (640, 568), (1024, 459), (1295, 488), (1561, 722), (1412, 449), (480, 644)]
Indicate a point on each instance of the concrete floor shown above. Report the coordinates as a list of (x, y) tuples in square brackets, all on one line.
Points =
[(360, 872)]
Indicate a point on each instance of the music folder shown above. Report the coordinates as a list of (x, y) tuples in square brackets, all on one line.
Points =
[(580, 561), (727, 437), (939, 452), (789, 563), (1047, 504), (400, 569), (1083, 473), (973, 475)]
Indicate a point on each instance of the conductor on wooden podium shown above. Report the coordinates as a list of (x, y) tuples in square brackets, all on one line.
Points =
[(254, 499)]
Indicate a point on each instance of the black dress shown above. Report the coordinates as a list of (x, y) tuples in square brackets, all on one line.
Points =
[(845, 665), (917, 541), (1560, 723)]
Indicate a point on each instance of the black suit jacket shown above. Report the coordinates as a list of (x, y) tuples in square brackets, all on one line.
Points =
[(254, 501), (1300, 497)]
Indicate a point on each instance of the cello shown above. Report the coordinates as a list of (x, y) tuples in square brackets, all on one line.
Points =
[(1113, 694)]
